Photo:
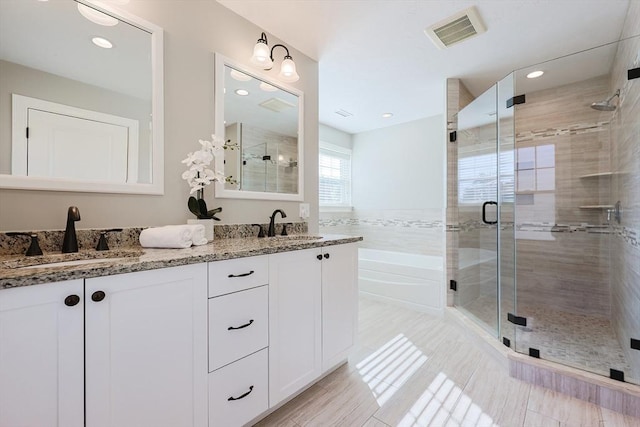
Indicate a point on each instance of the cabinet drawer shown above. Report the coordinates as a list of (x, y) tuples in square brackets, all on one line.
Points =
[(248, 375), (246, 313), (235, 275)]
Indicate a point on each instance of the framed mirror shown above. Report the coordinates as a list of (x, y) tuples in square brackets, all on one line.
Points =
[(261, 121), (81, 98)]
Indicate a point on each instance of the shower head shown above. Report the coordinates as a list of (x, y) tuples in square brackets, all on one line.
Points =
[(606, 105)]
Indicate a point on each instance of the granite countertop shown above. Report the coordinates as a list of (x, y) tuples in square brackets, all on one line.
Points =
[(127, 260)]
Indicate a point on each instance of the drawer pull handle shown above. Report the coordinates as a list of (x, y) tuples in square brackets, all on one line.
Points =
[(231, 328), (242, 396), (242, 275)]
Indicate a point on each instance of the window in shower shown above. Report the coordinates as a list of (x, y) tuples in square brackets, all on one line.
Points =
[(536, 168)]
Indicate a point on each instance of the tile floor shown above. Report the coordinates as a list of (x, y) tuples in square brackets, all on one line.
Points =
[(577, 340), (412, 369)]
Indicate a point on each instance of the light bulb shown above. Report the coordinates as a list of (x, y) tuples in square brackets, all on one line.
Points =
[(261, 56), (96, 16), (288, 70)]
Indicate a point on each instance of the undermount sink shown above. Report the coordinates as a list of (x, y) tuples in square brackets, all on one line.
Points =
[(70, 259), (73, 263), (297, 237)]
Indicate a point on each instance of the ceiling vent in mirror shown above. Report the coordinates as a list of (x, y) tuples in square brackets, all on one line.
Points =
[(276, 104), (456, 28)]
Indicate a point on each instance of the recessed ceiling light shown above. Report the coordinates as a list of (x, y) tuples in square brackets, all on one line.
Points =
[(387, 115), (267, 87), (240, 76), (535, 74), (102, 42), (96, 16), (242, 92)]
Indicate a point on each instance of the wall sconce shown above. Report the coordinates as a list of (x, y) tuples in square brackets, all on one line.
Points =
[(263, 58)]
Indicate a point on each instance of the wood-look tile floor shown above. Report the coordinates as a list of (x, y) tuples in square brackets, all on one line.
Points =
[(412, 369)]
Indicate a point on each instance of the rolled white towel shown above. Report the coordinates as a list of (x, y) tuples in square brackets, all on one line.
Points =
[(169, 236), (197, 234)]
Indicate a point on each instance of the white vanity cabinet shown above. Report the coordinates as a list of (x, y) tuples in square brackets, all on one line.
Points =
[(295, 327), (313, 312), (130, 348), (42, 355), (146, 348), (238, 340), (339, 303)]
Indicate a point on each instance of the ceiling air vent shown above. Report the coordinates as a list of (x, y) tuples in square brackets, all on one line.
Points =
[(343, 113), (276, 104), (456, 28)]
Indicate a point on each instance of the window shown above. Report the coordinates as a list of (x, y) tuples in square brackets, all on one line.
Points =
[(335, 176)]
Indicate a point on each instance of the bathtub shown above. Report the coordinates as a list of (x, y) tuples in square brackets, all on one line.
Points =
[(412, 280)]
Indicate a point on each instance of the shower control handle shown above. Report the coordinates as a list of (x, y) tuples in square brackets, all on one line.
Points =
[(484, 212)]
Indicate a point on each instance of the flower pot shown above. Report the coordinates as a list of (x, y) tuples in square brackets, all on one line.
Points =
[(208, 227)]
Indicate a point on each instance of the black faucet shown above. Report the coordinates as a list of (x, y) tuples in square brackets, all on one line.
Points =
[(272, 225), (70, 242)]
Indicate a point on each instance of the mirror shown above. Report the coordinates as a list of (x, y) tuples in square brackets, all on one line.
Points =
[(261, 121), (76, 116)]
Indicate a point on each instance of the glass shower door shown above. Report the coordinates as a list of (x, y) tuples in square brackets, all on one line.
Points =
[(477, 280)]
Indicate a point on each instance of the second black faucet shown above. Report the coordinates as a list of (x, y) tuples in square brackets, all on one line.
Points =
[(272, 226)]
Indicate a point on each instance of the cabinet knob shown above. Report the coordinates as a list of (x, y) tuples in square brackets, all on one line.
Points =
[(326, 256), (71, 300), (97, 296), (319, 257)]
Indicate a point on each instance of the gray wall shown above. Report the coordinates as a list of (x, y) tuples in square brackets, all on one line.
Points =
[(193, 30)]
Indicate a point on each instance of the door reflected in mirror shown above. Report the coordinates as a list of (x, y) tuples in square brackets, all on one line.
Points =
[(262, 122)]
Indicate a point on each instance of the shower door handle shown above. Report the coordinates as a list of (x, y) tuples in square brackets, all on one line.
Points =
[(484, 213)]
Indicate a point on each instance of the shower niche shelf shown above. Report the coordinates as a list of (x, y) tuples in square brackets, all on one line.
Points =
[(597, 175), (596, 207)]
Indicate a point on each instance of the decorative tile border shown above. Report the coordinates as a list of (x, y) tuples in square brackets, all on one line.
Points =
[(576, 129), (629, 235), (379, 222)]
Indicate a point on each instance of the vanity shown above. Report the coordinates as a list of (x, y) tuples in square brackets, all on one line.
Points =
[(216, 335)]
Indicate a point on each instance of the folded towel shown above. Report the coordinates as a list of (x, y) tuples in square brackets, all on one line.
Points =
[(197, 234), (169, 236)]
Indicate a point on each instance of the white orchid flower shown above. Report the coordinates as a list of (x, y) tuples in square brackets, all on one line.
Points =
[(198, 175)]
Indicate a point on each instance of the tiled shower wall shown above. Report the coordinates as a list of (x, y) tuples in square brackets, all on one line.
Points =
[(417, 231), (562, 239), (625, 187)]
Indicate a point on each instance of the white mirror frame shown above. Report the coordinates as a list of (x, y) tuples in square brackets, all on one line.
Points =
[(157, 130), (220, 192)]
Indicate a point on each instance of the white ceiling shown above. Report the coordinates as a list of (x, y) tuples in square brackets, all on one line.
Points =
[(54, 37), (374, 57)]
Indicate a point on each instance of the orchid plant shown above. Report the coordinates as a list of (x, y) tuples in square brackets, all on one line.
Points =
[(200, 173)]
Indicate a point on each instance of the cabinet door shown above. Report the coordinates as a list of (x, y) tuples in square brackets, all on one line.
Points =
[(42, 355), (146, 348), (339, 303), (294, 322)]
